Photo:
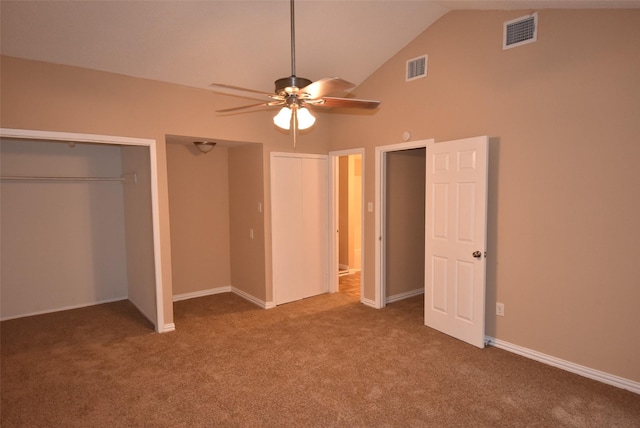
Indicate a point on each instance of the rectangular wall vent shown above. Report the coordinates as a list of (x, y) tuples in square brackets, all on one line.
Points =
[(520, 31), (417, 68)]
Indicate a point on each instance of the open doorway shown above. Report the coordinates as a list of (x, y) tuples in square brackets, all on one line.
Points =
[(404, 220), (400, 220), (347, 222)]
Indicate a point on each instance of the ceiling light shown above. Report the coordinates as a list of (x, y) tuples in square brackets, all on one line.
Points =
[(283, 118), (304, 118), (205, 146)]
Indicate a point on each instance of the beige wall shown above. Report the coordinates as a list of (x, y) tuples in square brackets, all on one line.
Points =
[(246, 210), (63, 243), (138, 213), (563, 205), (199, 209)]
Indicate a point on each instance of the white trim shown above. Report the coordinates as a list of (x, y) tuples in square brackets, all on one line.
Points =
[(380, 172), (221, 290), (201, 293), (369, 302), (578, 369), (405, 295), (125, 141), (253, 299), (64, 308), (168, 327), (333, 219)]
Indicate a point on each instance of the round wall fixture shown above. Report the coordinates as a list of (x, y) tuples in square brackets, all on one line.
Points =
[(406, 136), (205, 146)]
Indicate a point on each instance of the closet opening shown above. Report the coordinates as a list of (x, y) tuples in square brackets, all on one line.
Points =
[(79, 223)]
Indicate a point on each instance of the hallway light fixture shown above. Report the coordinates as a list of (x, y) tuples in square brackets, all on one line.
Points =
[(205, 146)]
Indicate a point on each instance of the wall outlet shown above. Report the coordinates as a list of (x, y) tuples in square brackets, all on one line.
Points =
[(500, 309)]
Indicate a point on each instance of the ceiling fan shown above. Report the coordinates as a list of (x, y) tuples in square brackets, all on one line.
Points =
[(295, 94)]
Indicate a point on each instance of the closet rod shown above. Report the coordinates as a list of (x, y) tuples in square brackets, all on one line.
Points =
[(127, 177)]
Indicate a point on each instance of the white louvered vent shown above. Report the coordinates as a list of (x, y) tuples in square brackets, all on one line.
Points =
[(417, 68), (520, 31)]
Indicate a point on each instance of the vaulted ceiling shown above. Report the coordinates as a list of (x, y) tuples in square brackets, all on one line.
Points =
[(243, 43)]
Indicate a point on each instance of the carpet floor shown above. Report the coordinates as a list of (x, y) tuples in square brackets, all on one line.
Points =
[(326, 361)]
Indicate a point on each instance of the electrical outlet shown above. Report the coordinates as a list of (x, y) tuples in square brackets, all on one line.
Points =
[(500, 309)]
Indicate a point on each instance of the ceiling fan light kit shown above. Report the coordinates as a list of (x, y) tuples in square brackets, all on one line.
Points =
[(294, 94)]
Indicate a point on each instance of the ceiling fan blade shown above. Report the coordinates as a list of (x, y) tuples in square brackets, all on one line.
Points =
[(328, 85), (344, 102), (232, 90), (251, 106)]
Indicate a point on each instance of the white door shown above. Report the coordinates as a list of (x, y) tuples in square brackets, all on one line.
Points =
[(300, 216), (455, 238)]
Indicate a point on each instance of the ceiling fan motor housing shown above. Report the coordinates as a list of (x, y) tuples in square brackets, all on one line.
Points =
[(291, 82)]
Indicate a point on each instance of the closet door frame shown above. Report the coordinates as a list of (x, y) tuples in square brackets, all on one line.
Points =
[(160, 326)]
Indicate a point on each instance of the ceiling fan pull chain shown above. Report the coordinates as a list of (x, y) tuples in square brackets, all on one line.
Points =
[(294, 118)]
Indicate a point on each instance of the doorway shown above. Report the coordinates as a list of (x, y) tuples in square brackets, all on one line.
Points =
[(404, 222), (347, 222), (397, 228)]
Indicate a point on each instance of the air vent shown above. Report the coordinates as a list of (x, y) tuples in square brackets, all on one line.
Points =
[(520, 31), (417, 68)]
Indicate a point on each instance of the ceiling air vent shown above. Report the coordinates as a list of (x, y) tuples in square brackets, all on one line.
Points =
[(417, 68), (520, 31)]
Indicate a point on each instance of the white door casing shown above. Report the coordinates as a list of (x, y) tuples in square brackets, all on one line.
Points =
[(455, 238), (300, 219)]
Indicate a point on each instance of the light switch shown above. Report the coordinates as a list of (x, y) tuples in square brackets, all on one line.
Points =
[(370, 207)]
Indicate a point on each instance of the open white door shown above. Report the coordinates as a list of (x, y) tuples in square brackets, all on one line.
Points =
[(455, 238)]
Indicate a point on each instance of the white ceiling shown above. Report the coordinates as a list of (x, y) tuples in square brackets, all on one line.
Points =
[(242, 43)]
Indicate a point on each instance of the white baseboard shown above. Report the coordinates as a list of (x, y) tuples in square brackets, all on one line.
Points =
[(201, 293), (64, 308), (253, 299), (226, 289), (587, 372), (404, 295), (367, 302), (167, 328)]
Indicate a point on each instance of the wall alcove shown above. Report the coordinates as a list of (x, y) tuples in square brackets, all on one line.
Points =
[(79, 223)]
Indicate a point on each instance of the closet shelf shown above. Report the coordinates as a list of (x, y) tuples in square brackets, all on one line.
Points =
[(128, 178)]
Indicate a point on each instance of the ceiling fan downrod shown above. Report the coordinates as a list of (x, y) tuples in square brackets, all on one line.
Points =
[(293, 41), (292, 81)]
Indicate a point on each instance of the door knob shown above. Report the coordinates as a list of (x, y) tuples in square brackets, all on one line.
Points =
[(477, 254)]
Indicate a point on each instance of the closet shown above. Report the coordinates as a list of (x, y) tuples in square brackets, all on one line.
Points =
[(75, 224), (300, 225)]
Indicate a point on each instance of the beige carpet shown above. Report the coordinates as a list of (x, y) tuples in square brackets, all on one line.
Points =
[(326, 361)]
